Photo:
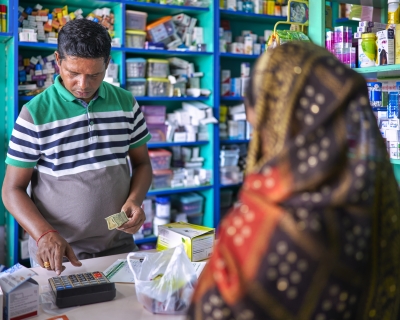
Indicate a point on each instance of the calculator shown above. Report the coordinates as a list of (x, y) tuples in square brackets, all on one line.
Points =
[(82, 288)]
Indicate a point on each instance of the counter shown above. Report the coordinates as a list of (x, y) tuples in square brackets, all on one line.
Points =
[(124, 306)]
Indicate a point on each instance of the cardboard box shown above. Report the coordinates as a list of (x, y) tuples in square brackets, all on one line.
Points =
[(394, 153), (385, 47), (197, 240), (394, 124), (21, 293), (24, 249), (236, 87), (392, 135), (226, 76)]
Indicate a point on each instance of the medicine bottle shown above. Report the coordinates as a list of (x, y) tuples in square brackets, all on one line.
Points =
[(163, 207)]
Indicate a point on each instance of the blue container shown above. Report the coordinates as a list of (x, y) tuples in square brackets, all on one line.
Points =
[(375, 93), (393, 108)]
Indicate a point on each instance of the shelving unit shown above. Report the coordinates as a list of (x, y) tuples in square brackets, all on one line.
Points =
[(203, 61), (210, 62)]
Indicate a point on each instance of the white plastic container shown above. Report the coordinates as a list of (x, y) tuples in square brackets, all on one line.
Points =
[(135, 68), (163, 207), (137, 86), (157, 68), (135, 39), (393, 11), (135, 20), (159, 222), (158, 87)]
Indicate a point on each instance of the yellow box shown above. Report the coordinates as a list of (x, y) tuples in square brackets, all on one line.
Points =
[(197, 240)]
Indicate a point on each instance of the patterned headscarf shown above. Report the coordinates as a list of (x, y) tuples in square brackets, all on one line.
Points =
[(317, 234)]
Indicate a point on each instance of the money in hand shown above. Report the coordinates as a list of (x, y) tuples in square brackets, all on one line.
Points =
[(116, 220)]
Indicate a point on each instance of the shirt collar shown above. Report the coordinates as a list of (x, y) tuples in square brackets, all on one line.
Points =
[(68, 96)]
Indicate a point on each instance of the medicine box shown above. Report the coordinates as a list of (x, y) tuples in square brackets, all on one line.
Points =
[(394, 153), (197, 240), (21, 293), (385, 47), (392, 135)]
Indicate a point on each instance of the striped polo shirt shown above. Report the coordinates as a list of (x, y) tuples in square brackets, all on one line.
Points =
[(79, 154)]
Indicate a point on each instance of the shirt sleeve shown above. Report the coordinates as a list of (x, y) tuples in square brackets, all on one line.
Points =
[(24, 145), (140, 134)]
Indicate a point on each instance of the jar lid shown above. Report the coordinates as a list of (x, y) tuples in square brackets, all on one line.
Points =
[(142, 60), (393, 1), (368, 36), (137, 32), (162, 200)]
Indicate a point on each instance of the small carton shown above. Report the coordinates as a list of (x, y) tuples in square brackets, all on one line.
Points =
[(392, 135), (394, 124), (226, 76), (21, 293), (197, 240), (394, 153), (385, 47), (236, 87)]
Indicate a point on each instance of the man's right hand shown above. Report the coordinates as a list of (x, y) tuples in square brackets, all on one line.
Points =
[(52, 248)]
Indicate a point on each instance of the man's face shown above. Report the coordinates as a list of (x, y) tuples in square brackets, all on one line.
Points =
[(82, 76)]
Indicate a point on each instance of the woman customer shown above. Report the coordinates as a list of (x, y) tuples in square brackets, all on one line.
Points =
[(317, 233)]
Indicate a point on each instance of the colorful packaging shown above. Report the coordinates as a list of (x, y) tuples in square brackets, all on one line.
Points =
[(366, 50), (385, 47)]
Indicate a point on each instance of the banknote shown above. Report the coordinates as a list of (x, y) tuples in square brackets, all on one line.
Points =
[(116, 220)]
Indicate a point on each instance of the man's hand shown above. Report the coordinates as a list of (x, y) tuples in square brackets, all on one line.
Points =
[(52, 248), (135, 215)]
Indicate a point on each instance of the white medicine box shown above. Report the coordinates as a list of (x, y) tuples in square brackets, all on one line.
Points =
[(20, 291)]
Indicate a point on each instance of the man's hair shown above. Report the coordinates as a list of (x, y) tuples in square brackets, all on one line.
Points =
[(83, 38)]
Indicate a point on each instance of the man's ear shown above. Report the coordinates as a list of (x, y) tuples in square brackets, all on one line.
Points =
[(108, 62), (58, 59)]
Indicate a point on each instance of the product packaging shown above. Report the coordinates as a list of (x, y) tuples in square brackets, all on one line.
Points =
[(198, 241)]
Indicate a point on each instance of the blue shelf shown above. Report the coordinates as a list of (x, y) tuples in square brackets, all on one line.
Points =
[(164, 8), (232, 98), (39, 45), (166, 52), (236, 185), (253, 17), (48, 46), (140, 99), (146, 240), (234, 141), (177, 190), (174, 144), (239, 56), (5, 36)]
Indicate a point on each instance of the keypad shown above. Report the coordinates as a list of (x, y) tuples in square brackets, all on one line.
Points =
[(78, 280)]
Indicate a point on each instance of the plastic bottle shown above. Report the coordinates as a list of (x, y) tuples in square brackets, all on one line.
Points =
[(393, 12), (163, 207)]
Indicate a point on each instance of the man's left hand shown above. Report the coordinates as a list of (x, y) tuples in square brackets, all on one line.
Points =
[(135, 215)]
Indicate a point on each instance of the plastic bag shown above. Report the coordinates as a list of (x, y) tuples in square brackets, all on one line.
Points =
[(166, 281)]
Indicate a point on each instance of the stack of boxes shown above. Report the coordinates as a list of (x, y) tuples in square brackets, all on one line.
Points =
[(373, 44), (247, 43), (385, 105), (165, 78), (269, 7), (36, 73), (340, 43), (39, 24), (233, 124), (235, 87), (170, 32)]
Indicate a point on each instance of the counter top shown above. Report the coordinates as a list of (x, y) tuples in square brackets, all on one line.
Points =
[(124, 306)]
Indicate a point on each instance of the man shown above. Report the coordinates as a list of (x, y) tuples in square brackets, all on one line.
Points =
[(71, 142)]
